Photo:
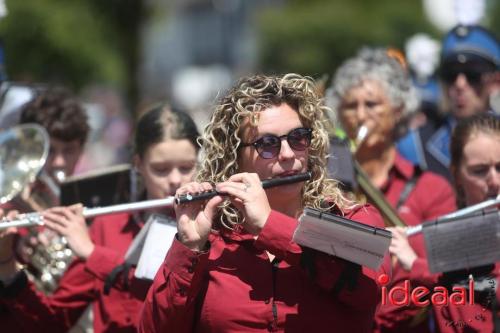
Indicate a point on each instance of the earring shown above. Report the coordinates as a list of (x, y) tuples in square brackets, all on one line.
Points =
[(254, 119)]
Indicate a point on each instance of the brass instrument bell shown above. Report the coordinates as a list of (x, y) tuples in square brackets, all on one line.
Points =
[(23, 152)]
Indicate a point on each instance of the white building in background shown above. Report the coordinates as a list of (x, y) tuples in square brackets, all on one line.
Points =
[(193, 49)]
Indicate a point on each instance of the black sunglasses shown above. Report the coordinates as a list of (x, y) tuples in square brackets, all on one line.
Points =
[(473, 77), (269, 145), (472, 70)]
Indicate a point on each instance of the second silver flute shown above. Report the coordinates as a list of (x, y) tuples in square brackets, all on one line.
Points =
[(36, 218)]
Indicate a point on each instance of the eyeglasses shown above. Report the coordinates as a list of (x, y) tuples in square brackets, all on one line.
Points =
[(473, 77), (269, 145)]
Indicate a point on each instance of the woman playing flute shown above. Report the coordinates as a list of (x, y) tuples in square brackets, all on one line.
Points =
[(233, 266), (475, 168), (165, 156)]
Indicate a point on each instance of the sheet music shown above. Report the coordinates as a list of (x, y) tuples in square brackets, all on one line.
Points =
[(150, 246), (463, 243), (355, 242), (134, 250)]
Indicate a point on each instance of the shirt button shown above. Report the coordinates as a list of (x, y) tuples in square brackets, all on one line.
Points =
[(182, 291), (194, 260), (270, 327), (190, 269)]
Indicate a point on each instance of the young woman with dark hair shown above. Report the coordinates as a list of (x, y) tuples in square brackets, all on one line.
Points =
[(165, 157)]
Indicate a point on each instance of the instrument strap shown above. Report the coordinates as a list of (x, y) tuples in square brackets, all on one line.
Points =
[(423, 314), (113, 276), (409, 186)]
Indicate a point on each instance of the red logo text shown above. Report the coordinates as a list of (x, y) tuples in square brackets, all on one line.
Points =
[(419, 296)]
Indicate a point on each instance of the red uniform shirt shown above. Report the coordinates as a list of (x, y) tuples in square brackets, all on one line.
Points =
[(432, 196), (234, 287), (83, 283)]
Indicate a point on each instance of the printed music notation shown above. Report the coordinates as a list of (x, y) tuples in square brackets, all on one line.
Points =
[(350, 240), (463, 242)]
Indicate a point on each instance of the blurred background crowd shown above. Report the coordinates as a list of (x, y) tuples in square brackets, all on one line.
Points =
[(119, 56), (399, 76)]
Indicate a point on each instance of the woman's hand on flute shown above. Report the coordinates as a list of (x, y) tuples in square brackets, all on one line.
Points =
[(195, 219), (246, 193), (70, 223)]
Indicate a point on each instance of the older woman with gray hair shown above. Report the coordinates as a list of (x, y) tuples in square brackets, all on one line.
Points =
[(372, 94), (375, 67)]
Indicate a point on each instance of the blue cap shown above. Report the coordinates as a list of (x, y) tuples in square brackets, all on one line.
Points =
[(471, 43)]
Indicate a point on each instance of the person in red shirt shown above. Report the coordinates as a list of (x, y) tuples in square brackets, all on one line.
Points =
[(373, 94), (233, 266), (165, 156), (63, 116), (475, 167)]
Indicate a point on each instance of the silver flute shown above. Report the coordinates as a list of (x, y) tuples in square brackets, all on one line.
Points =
[(36, 218)]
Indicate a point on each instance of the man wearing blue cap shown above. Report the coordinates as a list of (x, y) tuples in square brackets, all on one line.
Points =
[(470, 75)]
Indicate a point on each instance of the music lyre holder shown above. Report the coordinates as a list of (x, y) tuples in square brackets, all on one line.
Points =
[(413, 230)]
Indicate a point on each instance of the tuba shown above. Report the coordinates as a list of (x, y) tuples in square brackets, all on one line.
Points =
[(23, 153)]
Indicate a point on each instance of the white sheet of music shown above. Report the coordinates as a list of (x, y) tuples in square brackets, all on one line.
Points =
[(149, 248), (363, 244), (463, 242)]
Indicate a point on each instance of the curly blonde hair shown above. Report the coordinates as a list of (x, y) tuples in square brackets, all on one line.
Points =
[(221, 137)]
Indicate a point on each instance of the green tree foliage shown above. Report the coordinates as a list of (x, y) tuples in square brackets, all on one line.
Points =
[(69, 42), (313, 37), (493, 16)]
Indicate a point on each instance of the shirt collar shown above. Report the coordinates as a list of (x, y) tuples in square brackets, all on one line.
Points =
[(403, 167)]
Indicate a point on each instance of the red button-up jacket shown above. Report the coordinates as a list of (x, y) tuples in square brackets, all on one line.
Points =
[(234, 287), (82, 284), (432, 196)]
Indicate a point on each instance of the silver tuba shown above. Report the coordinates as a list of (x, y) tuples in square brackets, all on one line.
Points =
[(23, 153)]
